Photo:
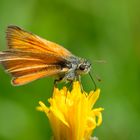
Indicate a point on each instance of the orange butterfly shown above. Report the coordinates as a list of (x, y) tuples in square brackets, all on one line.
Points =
[(30, 57)]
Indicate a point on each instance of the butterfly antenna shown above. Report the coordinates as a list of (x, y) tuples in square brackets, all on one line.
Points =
[(100, 61), (93, 80)]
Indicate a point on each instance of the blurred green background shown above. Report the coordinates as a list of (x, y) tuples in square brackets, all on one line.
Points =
[(94, 29)]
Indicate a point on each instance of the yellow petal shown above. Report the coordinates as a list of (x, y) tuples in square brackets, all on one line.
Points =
[(93, 97)]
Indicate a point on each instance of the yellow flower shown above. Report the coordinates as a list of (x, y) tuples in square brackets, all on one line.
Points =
[(70, 113)]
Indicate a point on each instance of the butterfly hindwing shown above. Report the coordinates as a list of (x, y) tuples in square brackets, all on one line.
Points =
[(34, 75), (26, 66)]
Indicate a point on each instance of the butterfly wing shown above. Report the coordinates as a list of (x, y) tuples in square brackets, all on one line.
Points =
[(27, 66), (23, 40), (30, 57), (38, 73)]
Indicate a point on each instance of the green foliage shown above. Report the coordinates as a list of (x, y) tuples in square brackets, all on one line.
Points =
[(94, 29)]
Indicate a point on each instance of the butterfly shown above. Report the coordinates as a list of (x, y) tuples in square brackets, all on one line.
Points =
[(30, 57)]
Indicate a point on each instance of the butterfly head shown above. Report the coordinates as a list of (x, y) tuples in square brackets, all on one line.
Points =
[(84, 67)]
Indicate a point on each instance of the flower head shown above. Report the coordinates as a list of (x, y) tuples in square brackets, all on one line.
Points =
[(71, 113)]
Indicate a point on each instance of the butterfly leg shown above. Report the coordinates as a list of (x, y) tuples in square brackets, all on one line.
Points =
[(79, 79), (68, 89), (55, 84)]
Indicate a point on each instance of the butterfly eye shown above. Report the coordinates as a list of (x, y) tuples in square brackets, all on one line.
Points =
[(82, 67)]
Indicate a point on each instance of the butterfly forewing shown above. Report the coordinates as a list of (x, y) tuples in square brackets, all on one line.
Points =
[(23, 40)]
